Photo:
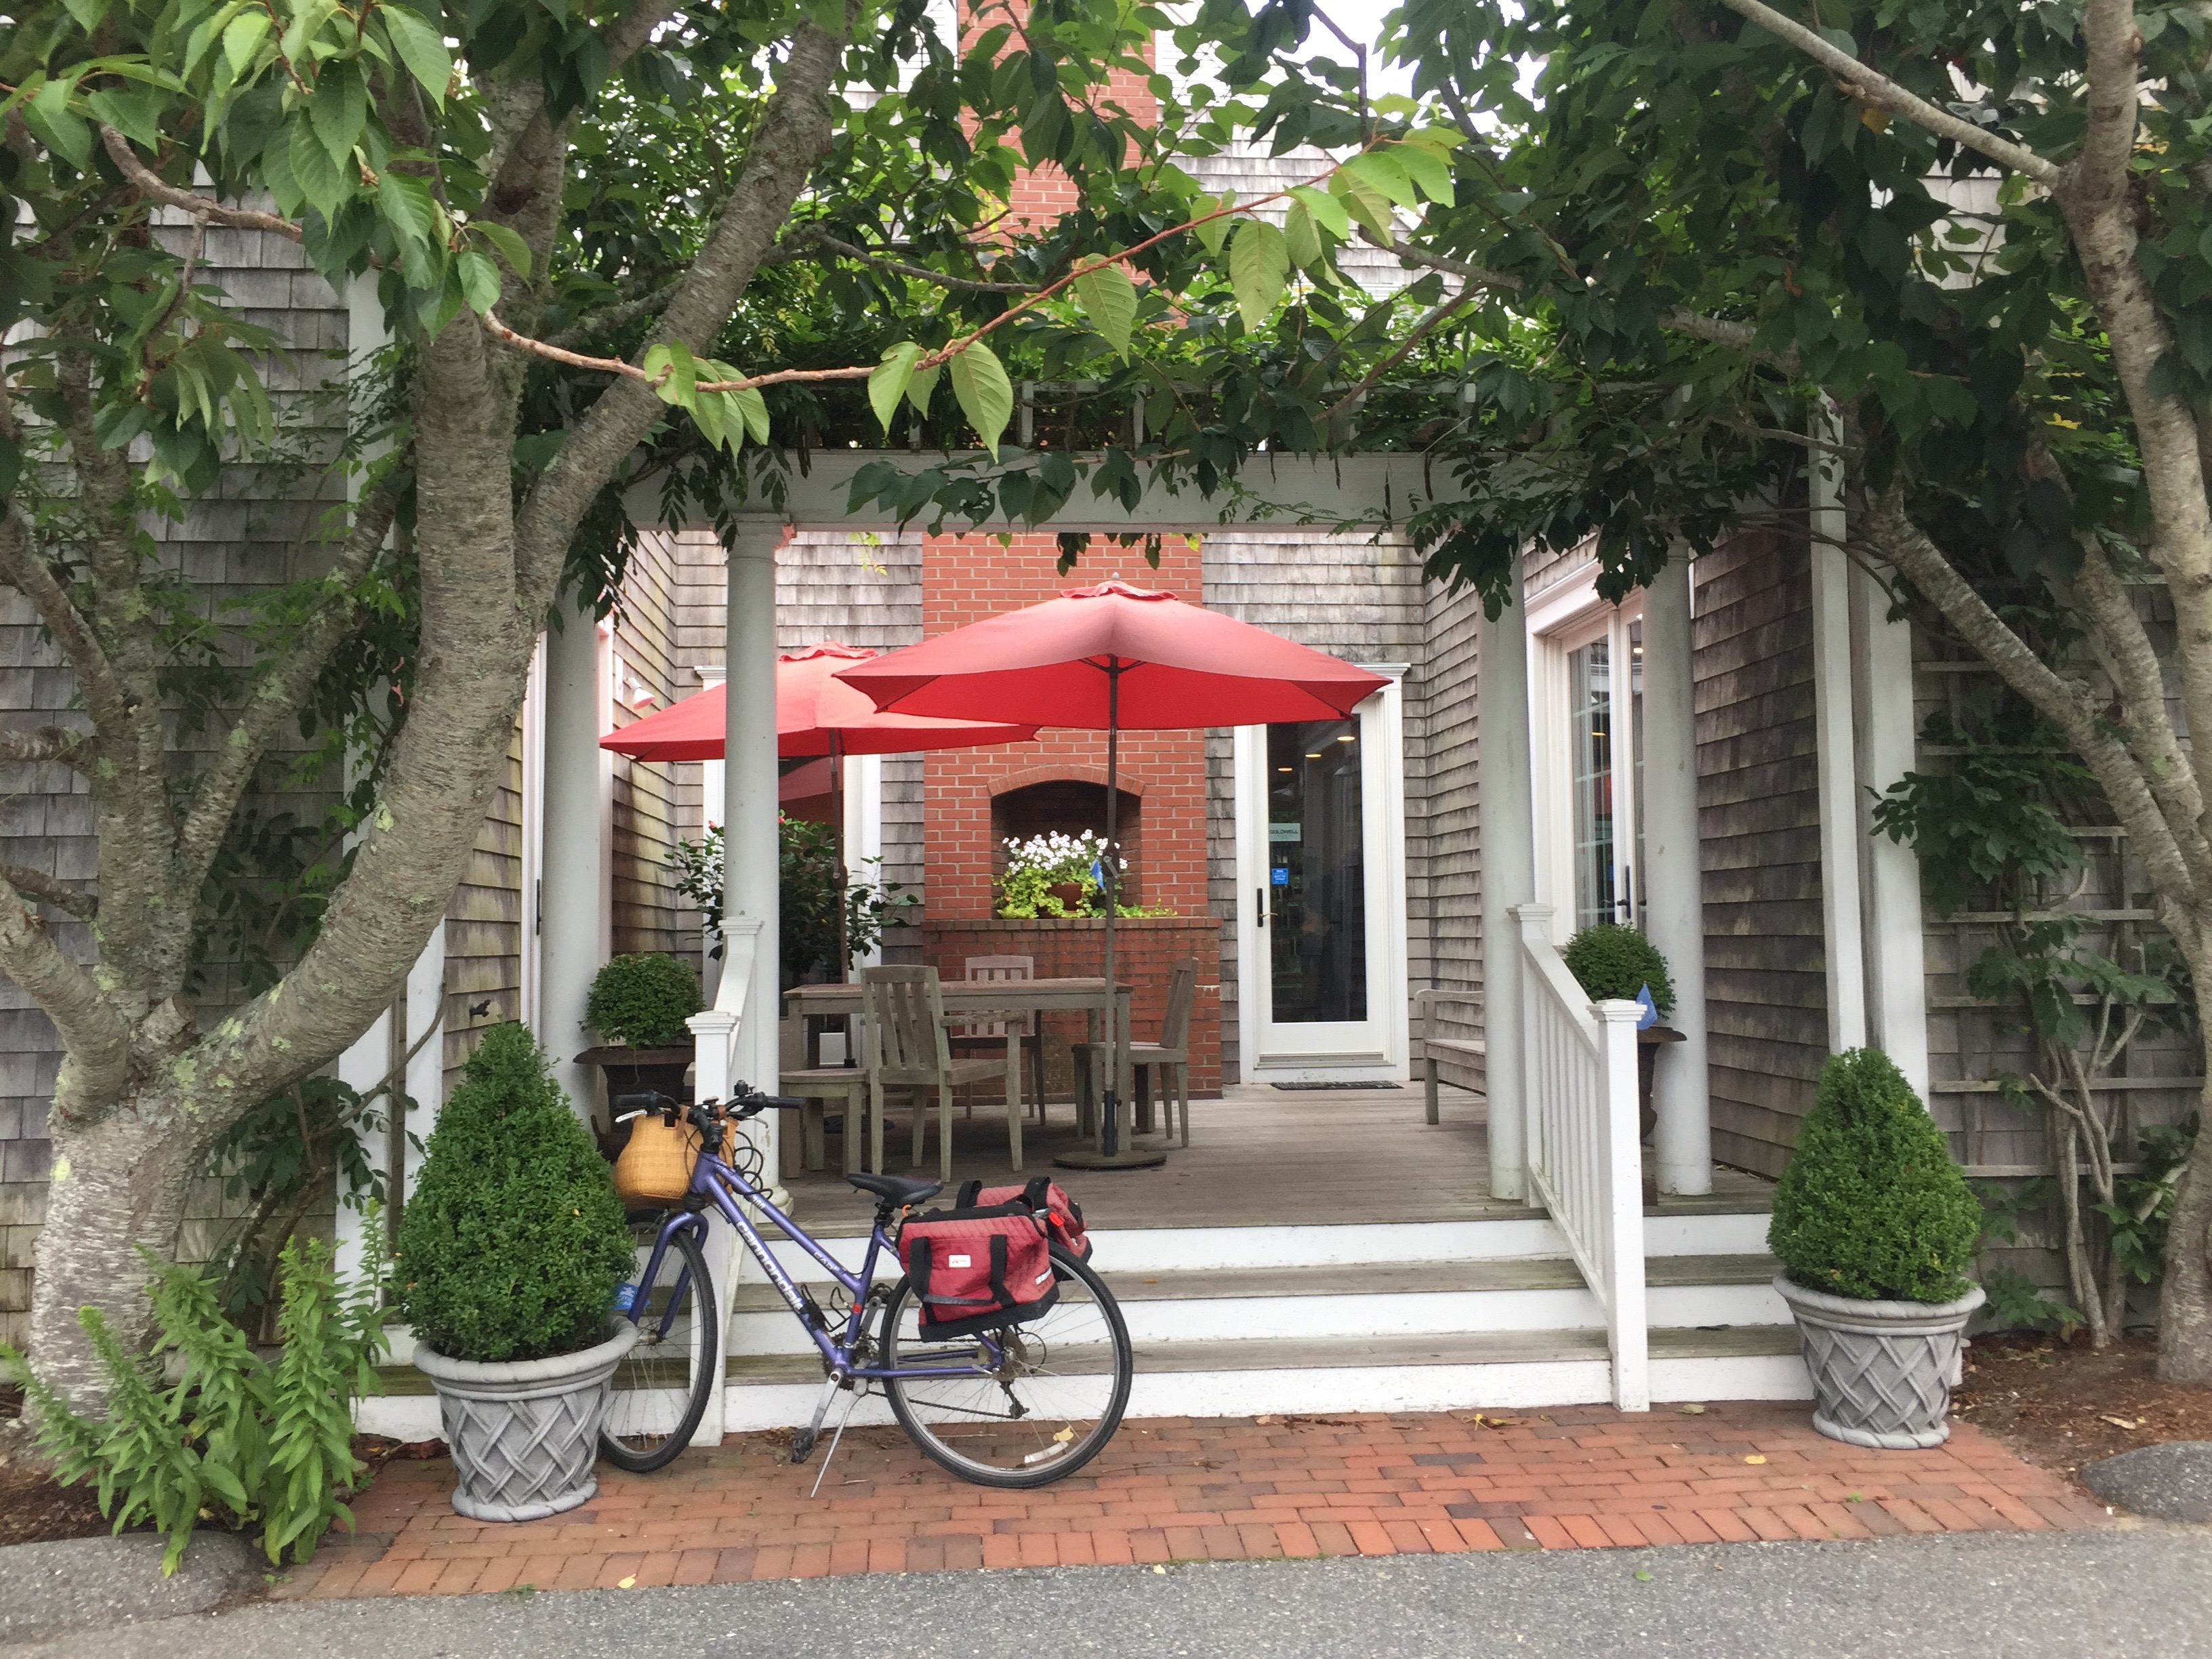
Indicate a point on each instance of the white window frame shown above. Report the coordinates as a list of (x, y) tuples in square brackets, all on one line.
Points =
[(1563, 617), (1374, 1049)]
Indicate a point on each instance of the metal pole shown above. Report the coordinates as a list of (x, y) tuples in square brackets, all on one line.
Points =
[(1109, 1132), (837, 841)]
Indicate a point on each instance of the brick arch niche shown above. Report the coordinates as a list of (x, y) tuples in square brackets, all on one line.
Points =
[(1069, 806)]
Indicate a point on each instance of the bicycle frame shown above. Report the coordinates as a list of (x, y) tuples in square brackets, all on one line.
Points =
[(716, 1183)]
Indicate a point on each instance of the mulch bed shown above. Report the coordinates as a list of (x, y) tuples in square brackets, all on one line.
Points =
[(2064, 1406)]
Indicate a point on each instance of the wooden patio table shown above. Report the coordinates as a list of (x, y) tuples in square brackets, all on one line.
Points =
[(973, 1001)]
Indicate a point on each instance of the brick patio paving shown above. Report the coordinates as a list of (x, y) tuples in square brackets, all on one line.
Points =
[(1213, 1489)]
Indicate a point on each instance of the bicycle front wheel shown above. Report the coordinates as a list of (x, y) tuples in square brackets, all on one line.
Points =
[(660, 1390), (1057, 1396)]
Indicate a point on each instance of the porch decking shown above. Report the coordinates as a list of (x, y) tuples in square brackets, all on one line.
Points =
[(1258, 1156)]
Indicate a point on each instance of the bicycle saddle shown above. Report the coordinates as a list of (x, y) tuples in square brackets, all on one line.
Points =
[(896, 1189)]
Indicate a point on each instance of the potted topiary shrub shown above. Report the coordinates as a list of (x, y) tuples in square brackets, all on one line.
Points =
[(1875, 1227), (1613, 964), (638, 1005), (509, 1252)]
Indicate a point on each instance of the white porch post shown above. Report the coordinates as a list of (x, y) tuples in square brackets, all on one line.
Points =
[(1835, 754), (1674, 879), (1508, 878), (577, 928), (1896, 964)]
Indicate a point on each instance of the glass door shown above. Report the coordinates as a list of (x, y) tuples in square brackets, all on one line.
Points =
[(1589, 758), (1316, 822)]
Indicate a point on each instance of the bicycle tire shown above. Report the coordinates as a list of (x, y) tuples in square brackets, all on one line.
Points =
[(646, 1369), (1115, 1349)]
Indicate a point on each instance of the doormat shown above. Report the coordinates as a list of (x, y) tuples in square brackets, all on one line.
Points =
[(1294, 1088)]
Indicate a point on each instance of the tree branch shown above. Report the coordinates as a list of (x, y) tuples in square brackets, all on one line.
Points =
[(160, 190), (599, 324), (46, 890), (92, 1029), (44, 744), (1871, 88), (1420, 331), (277, 695), (22, 569), (811, 239)]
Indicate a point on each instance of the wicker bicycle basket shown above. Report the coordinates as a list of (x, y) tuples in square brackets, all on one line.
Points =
[(655, 1167)]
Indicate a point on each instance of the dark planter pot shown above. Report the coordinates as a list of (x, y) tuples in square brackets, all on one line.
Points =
[(636, 1072), (1648, 1044), (1071, 897)]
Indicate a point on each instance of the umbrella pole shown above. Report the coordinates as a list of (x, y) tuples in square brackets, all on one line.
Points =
[(837, 841), (1111, 1154)]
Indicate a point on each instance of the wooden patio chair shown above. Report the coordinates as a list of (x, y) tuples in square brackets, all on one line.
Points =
[(991, 1036), (902, 1018), (1153, 1062)]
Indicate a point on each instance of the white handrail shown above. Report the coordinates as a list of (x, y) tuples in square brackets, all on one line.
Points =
[(1585, 1156)]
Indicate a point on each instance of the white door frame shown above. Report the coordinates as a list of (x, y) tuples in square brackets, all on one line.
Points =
[(1562, 619), (1375, 1051)]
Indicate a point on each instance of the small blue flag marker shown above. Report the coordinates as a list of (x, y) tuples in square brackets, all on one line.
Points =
[(1649, 1017)]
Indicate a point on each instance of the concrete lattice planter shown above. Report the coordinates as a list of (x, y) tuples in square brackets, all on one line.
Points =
[(526, 1433), (1882, 1371)]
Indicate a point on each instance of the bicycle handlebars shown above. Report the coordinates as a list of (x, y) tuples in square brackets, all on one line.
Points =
[(705, 1114)]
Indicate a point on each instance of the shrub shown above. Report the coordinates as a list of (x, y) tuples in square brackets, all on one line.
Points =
[(1613, 964), (514, 1240), (1871, 1206), (234, 1439), (643, 1000)]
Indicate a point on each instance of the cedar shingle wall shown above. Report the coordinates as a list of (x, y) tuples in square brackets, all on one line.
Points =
[(648, 915), (1759, 824), (1453, 824)]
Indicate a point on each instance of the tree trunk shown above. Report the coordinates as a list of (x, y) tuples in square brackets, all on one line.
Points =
[(118, 1184), (2185, 1302)]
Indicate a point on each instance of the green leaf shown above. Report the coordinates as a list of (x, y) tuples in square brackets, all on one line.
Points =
[(315, 170), (87, 13), (1213, 232), (243, 38), (1110, 299), (1301, 236), (407, 204), (479, 281), (1429, 172), (421, 47), (673, 371), (1365, 203), (922, 386), (509, 243), (1259, 270), (60, 128), (888, 381), (136, 116), (1327, 212), (985, 395), (339, 108), (1381, 169), (754, 408)]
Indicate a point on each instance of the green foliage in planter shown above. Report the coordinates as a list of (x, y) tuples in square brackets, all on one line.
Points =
[(1871, 1205), (514, 1240), (1613, 964), (235, 1440), (643, 1000)]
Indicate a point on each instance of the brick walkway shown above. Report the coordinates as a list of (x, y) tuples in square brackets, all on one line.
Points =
[(1219, 1489)]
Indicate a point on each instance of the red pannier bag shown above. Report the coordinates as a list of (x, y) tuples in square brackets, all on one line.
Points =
[(978, 1268), (1043, 1196)]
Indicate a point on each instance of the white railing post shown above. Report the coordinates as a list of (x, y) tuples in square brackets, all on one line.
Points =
[(1533, 922), (1620, 1188), (713, 1033)]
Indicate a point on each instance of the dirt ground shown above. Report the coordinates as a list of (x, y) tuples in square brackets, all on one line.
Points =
[(2064, 1407)]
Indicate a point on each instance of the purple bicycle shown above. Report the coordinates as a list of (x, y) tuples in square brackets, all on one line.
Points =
[(1022, 1406)]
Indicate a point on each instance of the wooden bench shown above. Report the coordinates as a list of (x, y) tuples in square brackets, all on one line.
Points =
[(1425, 1003)]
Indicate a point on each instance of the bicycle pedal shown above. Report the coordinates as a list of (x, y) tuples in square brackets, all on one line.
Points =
[(802, 1445)]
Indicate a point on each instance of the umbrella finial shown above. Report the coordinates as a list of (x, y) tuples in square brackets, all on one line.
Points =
[(1115, 587)]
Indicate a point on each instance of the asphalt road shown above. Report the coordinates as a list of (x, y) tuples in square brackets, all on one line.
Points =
[(2144, 1591)]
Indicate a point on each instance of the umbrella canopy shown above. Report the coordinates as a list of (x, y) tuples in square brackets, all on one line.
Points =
[(1175, 666), (815, 714)]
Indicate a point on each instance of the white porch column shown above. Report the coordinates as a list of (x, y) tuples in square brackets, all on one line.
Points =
[(576, 931), (1509, 878), (1836, 756), (751, 854), (1896, 965), (1674, 879)]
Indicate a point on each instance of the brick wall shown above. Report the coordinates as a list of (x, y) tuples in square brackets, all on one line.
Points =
[(1145, 950)]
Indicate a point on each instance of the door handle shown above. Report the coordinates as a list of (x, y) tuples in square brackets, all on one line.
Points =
[(1626, 903), (1259, 907)]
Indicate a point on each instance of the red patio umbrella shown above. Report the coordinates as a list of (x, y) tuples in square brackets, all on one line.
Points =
[(815, 715), (1114, 658)]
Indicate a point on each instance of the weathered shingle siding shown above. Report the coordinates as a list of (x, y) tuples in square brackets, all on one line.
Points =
[(1355, 598), (1760, 829), (648, 913), (1453, 827)]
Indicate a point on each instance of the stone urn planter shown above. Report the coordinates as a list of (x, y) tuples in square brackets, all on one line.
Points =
[(525, 1433), (1882, 1371), (1648, 1042), (633, 1071)]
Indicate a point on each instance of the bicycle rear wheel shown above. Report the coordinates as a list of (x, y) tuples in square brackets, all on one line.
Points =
[(660, 1389), (1054, 1403)]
